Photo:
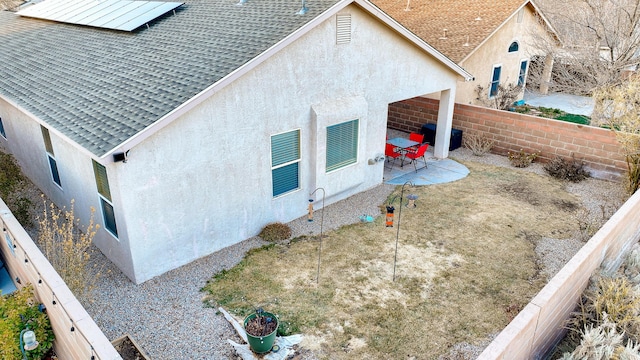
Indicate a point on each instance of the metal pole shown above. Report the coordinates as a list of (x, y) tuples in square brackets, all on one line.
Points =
[(395, 257), (321, 223)]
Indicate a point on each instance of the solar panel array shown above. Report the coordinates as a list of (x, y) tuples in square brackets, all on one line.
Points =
[(122, 15)]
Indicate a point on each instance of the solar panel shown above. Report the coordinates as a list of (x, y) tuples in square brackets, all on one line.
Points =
[(125, 15)]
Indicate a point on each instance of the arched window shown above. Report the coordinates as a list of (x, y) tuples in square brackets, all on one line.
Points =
[(514, 47)]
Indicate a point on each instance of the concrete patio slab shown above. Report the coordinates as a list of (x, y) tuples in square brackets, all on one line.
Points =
[(438, 171)]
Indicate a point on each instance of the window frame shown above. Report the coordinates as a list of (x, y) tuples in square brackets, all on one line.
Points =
[(104, 196), (295, 162), (54, 171), (522, 75), (352, 157), (3, 131), (494, 83)]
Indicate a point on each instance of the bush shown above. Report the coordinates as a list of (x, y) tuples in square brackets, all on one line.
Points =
[(566, 169), (478, 144), (275, 232), (521, 158), (23, 302)]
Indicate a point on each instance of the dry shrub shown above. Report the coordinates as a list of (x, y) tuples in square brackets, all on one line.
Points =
[(478, 143), (567, 169), (67, 247), (609, 299), (275, 232), (521, 158)]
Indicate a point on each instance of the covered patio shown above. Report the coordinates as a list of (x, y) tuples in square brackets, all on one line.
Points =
[(437, 171)]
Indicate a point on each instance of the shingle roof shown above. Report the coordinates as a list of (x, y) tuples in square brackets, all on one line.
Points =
[(101, 87), (428, 19)]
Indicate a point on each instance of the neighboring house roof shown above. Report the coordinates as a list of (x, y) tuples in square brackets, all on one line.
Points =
[(454, 27), (103, 88)]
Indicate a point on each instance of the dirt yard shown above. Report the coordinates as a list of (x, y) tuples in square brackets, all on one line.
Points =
[(466, 264)]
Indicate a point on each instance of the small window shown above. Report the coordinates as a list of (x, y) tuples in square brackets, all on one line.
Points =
[(522, 75), (514, 47), (285, 159), (342, 145), (2, 132), (102, 184), (495, 81), (53, 164)]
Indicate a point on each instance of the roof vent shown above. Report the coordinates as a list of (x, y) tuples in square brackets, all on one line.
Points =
[(478, 18), (444, 34), (407, 8), (466, 43), (241, 2), (304, 8)]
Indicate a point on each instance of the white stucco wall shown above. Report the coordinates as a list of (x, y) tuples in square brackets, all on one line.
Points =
[(25, 142), (495, 52), (204, 182)]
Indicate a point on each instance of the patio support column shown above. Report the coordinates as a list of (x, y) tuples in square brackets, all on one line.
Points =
[(546, 74), (445, 118)]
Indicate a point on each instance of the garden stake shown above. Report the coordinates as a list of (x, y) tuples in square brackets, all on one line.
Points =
[(321, 222), (395, 257)]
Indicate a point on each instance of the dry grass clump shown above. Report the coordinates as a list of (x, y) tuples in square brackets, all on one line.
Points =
[(66, 247), (567, 169), (276, 231), (521, 159), (478, 143)]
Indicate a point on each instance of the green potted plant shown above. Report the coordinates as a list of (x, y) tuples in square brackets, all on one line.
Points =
[(261, 328)]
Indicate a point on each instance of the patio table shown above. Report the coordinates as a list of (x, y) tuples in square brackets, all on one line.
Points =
[(403, 144)]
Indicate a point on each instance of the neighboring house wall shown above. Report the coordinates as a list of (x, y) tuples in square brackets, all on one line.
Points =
[(204, 182), (511, 131), (494, 52)]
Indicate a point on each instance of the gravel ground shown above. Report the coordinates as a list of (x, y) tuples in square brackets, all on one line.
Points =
[(165, 315)]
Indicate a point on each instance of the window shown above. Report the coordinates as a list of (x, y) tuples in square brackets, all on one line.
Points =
[(522, 75), (285, 160), (514, 47), (102, 184), (495, 81), (53, 164), (342, 145), (2, 132)]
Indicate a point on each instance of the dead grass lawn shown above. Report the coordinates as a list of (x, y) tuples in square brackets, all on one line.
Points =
[(466, 265)]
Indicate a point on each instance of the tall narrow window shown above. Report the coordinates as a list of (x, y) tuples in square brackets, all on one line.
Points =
[(102, 184), (495, 81), (53, 164), (522, 75), (285, 160), (342, 145), (2, 132)]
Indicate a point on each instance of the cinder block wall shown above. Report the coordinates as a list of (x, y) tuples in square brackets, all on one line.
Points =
[(511, 131), (24, 260)]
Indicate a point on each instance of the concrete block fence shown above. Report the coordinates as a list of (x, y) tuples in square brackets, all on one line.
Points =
[(76, 334), (511, 131)]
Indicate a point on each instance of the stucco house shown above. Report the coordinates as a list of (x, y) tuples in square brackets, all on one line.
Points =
[(494, 40), (191, 133)]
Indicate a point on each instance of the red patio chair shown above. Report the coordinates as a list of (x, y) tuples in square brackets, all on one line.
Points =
[(390, 152), (417, 138), (415, 155)]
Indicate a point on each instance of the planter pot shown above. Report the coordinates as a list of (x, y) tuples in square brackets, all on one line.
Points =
[(261, 344), (129, 349)]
